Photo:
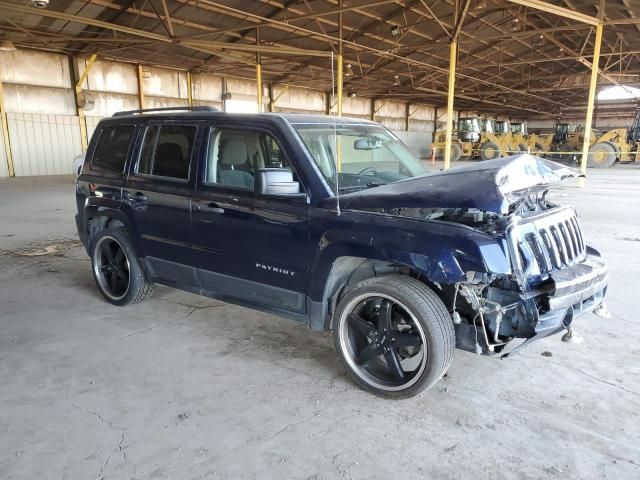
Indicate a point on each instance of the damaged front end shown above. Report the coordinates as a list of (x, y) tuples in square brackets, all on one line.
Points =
[(554, 276)]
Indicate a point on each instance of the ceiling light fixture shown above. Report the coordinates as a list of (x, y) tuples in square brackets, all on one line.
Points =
[(352, 94), (395, 30), (480, 5), (348, 71), (7, 46), (396, 80)]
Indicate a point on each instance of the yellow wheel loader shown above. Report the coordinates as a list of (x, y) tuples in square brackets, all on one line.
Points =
[(539, 144), (491, 145), (617, 145), (503, 132), (463, 140), (605, 149), (520, 136)]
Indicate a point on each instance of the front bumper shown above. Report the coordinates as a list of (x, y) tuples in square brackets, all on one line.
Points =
[(575, 290), (549, 309)]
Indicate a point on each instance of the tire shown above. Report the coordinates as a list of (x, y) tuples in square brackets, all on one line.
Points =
[(523, 148), (601, 155), (116, 268), (456, 152), (420, 334), (538, 149), (489, 151)]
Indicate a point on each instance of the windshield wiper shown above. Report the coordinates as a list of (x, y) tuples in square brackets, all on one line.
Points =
[(355, 188)]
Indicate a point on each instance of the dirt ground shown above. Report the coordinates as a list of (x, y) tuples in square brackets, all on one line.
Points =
[(184, 387)]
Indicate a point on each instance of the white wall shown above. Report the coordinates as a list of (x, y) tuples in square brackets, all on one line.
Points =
[(44, 128)]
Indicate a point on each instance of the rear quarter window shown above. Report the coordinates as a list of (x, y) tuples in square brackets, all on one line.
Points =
[(112, 148)]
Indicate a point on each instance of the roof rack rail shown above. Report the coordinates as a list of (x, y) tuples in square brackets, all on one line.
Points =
[(199, 108)]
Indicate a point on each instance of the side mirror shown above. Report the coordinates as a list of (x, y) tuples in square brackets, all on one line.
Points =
[(277, 181)]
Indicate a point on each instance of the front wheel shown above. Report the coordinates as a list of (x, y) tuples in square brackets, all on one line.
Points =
[(601, 155), (116, 268), (394, 335), (489, 151)]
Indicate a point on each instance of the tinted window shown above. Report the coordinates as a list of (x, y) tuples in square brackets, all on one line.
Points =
[(112, 148), (166, 151), (234, 156)]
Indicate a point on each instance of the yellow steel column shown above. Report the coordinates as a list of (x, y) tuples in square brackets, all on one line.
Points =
[(189, 89), (259, 72), (81, 117), (5, 132), (452, 82), (140, 87), (591, 101), (340, 60)]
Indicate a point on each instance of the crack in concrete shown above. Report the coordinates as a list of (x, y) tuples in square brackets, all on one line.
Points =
[(183, 317), (589, 375), (258, 438), (119, 447)]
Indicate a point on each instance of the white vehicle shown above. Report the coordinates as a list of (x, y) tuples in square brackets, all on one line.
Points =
[(76, 165)]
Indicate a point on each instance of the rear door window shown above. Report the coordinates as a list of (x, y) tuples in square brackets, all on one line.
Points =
[(166, 151), (112, 148)]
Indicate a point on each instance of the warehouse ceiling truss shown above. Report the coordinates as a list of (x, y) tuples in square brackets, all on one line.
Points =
[(513, 56)]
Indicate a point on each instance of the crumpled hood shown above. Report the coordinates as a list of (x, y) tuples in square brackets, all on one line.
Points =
[(492, 185)]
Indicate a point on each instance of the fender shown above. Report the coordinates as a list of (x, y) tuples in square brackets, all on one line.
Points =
[(441, 251)]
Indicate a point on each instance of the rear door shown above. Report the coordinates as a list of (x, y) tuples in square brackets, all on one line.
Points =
[(104, 172), (158, 196)]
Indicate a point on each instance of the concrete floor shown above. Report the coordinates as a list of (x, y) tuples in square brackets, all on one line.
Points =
[(186, 387)]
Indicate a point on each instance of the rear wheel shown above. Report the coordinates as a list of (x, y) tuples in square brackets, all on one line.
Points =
[(523, 148), (116, 268), (489, 151), (601, 155), (538, 149), (394, 335)]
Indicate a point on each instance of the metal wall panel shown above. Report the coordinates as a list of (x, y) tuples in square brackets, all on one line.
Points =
[(207, 88), (356, 107), (30, 67), (106, 104), (389, 108), (30, 99), (161, 82), (106, 76), (422, 112), (4, 169), (43, 144), (392, 123), (242, 88), (298, 99), (418, 142), (164, 102)]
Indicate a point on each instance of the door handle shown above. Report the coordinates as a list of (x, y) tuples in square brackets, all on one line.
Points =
[(210, 207)]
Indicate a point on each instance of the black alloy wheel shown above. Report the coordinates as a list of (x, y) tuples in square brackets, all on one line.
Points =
[(111, 268)]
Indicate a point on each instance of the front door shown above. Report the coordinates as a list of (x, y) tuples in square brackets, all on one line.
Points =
[(251, 247), (158, 194)]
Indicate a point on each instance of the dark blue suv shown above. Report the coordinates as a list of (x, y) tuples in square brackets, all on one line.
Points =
[(332, 222)]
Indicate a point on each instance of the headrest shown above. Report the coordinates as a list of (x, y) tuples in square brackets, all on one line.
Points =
[(233, 152)]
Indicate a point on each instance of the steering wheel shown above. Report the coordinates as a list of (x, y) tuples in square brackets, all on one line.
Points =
[(368, 171)]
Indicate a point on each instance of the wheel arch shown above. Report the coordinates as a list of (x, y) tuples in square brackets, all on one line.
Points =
[(97, 219)]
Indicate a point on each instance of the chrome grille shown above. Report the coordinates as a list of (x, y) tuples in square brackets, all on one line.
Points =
[(554, 239)]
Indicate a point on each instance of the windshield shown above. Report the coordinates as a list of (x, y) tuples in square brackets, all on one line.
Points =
[(502, 126), (489, 126), (469, 125), (364, 156)]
